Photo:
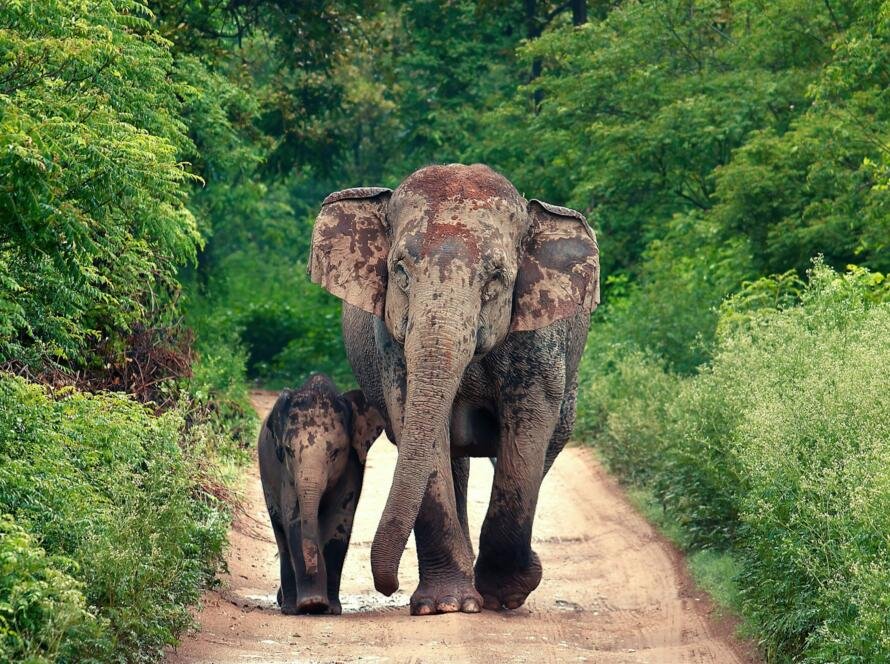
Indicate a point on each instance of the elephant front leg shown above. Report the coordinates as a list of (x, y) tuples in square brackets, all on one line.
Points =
[(444, 553), (336, 527), (311, 583), (287, 590), (507, 569)]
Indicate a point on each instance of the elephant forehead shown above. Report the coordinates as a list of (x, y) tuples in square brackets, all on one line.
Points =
[(476, 182), (477, 196), (443, 237), (321, 418), (316, 431), (482, 230), (452, 247)]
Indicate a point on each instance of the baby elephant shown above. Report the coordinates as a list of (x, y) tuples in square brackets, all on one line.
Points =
[(312, 452)]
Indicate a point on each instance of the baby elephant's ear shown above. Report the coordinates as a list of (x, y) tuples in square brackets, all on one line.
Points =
[(367, 423), (350, 245), (276, 421), (559, 274)]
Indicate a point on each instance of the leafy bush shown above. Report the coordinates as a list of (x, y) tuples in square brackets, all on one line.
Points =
[(778, 451), (93, 204), (217, 397), (43, 612), (104, 484), (629, 401), (813, 446), (282, 326)]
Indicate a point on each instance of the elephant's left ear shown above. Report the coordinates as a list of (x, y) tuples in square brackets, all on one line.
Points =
[(560, 270)]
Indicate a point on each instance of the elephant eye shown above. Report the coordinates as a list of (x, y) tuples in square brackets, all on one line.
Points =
[(490, 290), (400, 276)]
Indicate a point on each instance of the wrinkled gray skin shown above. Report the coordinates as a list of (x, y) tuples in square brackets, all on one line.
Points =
[(465, 315), (312, 451)]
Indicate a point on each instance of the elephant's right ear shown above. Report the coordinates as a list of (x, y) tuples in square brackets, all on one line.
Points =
[(350, 245)]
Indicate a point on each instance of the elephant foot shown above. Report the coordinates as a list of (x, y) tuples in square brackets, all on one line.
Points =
[(507, 588), (335, 608), (442, 596), (313, 604), (289, 609)]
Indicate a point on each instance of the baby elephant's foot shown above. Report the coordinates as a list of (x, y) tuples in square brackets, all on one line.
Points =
[(334, 607), (313, 604), (445, 596), (507, 587), (288, 608)]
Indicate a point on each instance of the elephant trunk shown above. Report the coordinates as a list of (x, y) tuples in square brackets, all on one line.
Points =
[(438, 348), (309, 502)]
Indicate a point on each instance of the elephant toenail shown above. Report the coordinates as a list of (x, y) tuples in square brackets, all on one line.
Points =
[(470, 606), (491, 603), (447, 605), (424, 608)]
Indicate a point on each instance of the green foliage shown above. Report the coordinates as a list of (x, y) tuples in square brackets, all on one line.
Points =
[(216, 398), (93, 193), (43, 612), (813, 447), (711, 143), (447, 76), (258, 302), (105, 488), (777, 450), (625, 402), (671, 309)]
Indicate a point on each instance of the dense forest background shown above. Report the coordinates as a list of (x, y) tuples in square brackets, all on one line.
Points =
[(162, 164)]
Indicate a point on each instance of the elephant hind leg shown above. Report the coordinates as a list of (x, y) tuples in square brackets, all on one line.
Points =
[(460, 472), (564, 427)]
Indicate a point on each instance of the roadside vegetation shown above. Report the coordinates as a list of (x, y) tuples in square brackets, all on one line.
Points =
[(161, 166), (771, 461), (114, 531)]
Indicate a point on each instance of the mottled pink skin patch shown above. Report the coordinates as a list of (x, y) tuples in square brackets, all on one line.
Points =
[(350, 244), (559, 273)]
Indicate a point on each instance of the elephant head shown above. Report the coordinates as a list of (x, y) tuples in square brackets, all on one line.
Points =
[(453, 261)]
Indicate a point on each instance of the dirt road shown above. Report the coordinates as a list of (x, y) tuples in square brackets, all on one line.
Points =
[(613, 589)]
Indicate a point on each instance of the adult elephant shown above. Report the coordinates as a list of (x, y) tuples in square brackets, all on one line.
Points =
[(466, 313)]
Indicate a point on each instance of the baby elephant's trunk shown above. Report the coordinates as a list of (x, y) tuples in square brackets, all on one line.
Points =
[(309, 529), (310, 555)]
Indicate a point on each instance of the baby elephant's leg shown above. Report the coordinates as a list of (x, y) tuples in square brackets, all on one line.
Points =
[(287, 591), (338, 513)]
